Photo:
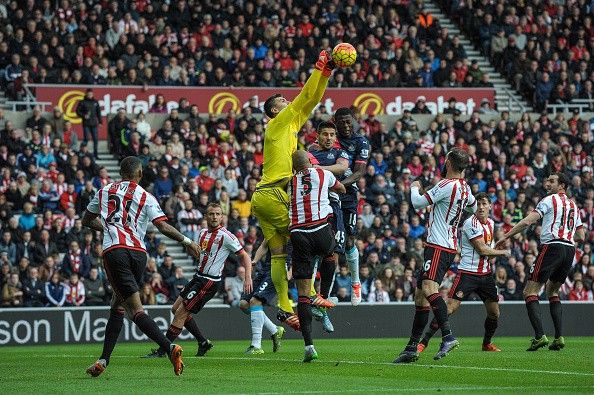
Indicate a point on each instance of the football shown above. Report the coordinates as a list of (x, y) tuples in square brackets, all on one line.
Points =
[(344, 55)]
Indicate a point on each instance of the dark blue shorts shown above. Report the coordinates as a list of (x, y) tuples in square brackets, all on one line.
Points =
[(263, 289), (349, 216), (338, 227)]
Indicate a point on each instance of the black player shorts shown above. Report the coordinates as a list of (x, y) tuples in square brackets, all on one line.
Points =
[(124, 268), (349, 216), (263, 288), (307, 244), (554, 262), (467, 283), (338, 227), (437, 262), (197, 292)]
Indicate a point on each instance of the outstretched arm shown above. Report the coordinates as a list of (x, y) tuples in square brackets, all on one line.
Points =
[(174, 234), (299, 109), (484, 250), (530, 219)]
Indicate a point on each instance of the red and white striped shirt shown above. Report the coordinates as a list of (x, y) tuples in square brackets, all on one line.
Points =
[(125, 209), (215, 245), (449, 198), (310, 204), (471, 260), (560, 219)]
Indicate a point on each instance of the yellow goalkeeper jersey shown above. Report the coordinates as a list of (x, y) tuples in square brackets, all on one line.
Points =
[(280, 137)]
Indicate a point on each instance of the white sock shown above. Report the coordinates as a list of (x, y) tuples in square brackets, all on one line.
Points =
[(352, 258), (310, 348), (257, 321), (269, 325)]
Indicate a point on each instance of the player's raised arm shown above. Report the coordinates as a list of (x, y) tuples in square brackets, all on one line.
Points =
[(297, 112), (419, 201)]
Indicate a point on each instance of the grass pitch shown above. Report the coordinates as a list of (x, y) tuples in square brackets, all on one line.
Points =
[(345, 366)]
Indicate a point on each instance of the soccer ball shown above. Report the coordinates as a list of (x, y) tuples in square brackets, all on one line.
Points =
[(344, 55)]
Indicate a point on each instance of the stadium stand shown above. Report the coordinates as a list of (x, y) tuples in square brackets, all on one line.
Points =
[(543, 48), (48, 175)]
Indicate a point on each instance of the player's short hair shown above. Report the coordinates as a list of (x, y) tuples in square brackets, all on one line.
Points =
[(326, 125), (481, 196), (343, 111), (129, 166), (269, 105), (213, 205), (459, 159), (563, 179)]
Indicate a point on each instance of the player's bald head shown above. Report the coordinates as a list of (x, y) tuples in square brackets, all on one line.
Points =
[(300, 160)]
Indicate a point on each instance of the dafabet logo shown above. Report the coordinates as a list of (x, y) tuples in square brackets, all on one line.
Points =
[(68, 103), (219, 102), (369, 103)]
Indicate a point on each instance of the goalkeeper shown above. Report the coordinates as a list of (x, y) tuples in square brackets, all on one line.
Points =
[(270, 202)]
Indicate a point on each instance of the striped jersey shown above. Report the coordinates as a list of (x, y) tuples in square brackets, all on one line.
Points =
[(474, 229), (560, 218), (215, 246), (125, 209), (192, 215), (449, 198), (309, 203)]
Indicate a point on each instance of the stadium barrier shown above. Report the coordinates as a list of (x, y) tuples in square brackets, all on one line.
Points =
[(31, 326)]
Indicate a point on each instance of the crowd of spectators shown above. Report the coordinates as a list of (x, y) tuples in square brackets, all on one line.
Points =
[(48, 176), (543, 47), (226, 43)]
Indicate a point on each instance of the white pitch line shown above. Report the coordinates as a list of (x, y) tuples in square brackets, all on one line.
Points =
[(429, 389), (296, 360)]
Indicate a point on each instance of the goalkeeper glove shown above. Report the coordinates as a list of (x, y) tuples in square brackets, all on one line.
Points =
[(325, 63)]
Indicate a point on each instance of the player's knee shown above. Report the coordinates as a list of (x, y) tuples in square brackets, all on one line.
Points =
[(420, 299), (255, 302), (527, 292), (428, 289), (244, 305)]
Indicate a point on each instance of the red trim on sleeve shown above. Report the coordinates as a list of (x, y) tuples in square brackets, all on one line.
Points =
[(361, 161), (159, 219), (476, 238), (238, 252), (426, 195)]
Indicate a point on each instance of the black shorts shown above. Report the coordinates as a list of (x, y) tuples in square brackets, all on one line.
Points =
[(307, 244), (349, 216), (263, 288), (124, 269), (554, 262), (197, 292), (467, 283), (338, 227), (437, 262)]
